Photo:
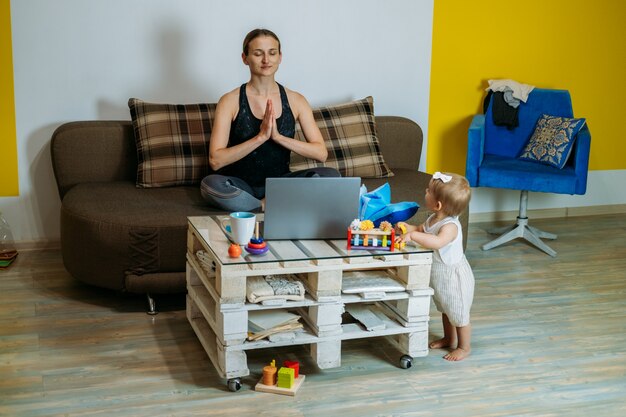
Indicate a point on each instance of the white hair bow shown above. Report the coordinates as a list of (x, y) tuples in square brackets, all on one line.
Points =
[(443, 177)]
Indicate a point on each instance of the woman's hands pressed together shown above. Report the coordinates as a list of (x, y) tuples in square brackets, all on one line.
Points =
[(268, 125)]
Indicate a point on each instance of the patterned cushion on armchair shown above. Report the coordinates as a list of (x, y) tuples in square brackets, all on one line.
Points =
[(552, 141)]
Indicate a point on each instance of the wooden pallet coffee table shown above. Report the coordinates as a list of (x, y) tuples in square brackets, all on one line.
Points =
[(218, 311)]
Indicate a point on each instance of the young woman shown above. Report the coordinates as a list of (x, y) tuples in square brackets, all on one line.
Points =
[(253, 132)]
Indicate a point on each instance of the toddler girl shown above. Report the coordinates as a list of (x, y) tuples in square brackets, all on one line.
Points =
[(451, 276)]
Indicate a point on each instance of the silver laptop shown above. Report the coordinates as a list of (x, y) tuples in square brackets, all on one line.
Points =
[(310, 208)]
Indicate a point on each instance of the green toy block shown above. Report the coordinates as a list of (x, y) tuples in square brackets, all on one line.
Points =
[(285, 377)]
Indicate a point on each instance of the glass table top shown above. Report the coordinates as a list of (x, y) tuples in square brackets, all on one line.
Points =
[(208, 228)]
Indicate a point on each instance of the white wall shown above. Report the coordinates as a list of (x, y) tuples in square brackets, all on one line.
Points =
[(83, 59)]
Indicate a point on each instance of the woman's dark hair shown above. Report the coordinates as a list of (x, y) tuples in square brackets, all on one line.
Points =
[(255, 34)]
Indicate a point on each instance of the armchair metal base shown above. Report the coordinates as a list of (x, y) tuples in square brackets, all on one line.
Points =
[(521, 229)]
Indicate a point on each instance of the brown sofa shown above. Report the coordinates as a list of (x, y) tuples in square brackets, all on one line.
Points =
[(115, 235)]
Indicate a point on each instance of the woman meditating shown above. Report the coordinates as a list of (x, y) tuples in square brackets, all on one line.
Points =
[(253, 132)]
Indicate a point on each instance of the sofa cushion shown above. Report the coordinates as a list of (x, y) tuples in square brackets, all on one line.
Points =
[(552, 141), (349, 131), (172, 142), (503, 172), (111, 230)]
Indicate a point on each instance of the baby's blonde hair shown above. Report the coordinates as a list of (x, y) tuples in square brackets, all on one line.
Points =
[(454, 195)]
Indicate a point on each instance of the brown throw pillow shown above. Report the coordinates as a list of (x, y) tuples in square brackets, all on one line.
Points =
[(349, 131), (172, 142)]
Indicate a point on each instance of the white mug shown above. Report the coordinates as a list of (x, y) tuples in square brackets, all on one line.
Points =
[(241, 226)]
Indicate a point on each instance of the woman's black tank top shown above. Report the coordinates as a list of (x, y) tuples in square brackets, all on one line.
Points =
[(268, 160)]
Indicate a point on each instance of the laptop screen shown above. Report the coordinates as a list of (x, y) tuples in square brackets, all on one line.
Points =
[(310, 208)]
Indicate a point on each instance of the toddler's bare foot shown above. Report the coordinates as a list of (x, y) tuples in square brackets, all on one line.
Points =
[(440, 343), (457, 354)]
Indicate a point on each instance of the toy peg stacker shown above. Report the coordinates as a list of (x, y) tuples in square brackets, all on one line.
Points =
[(363, 235), (257, 245), (269, 374), (286, 381)]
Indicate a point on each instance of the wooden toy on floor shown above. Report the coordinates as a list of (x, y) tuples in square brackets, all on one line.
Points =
[(286, 381), (257, 245)]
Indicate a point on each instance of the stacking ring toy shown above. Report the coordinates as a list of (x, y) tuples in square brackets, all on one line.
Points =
[(253, 245), (253, 251), (256, 246)]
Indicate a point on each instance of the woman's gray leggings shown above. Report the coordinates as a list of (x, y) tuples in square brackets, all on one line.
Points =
[(234, 194)]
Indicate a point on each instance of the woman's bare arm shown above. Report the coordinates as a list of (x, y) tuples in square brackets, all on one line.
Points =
[(447, 233), (314, 147)]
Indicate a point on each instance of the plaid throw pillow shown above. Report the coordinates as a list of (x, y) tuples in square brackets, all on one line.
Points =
[(349, 131), (172, 142)]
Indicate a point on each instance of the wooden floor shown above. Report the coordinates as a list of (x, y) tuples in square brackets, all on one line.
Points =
[(549, 340)]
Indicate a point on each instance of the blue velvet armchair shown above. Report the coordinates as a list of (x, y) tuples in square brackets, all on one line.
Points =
[(492, 161)]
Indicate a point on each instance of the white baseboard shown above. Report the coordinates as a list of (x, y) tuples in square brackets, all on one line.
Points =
[(549, 213)]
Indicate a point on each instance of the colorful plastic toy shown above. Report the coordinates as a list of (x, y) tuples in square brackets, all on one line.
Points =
[(366, 225), (257, 245), (363, 235), (234, 250), (401, 245), (385, 226), (253, 251)]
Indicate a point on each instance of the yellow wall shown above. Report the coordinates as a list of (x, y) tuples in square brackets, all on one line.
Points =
[(575, 45), (8, 144)]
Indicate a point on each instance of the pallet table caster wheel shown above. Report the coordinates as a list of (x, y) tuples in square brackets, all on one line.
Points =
[(234, 384), (406, 362)]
